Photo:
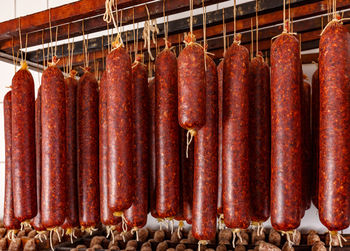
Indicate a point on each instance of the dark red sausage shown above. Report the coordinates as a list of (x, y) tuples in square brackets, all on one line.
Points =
[(152, 150), (72, 218), (315, 135), (259, 139), (106, 215), (286, 139), (220, 70), (120, 130), (206, 163), (334, 70), (87, 129), (136, 215), (10, 222), (167, 135), (23, 145), (53, 171), (186, 166), (306, 134), (235, 176), (191, 88), (36, 221)]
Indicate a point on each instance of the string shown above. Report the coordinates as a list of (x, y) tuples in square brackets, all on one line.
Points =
[(257, 27), (234, 20), (108, 42), (204, 34), (56, 41), (252, 39), (133, 30), (284, 15), (165, 26), (20, 37), (13, 56), (50, 32), (289, 16), (191, 16), (224, 28)]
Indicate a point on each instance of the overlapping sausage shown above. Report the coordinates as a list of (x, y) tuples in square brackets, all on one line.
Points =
[(334, 138), (259, 139), (87, 140), (136, 215), (191, 86), (315, 109), (23, 145), (167, 134), (235, 176), (286, 151), (120, 130), (206, 162), (106, 215), (10, 222), (72, 218), (53, 171)]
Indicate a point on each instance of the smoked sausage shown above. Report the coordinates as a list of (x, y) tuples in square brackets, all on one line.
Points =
[(106, 215), (167, 135), (152, 149), (120, 130), (191, 86), (315, 109), (136, 215), (206, 162), (87, 140), (259, 139), (72, 218), (334, 138), (53, 171), (10, 222), (286, 152), (220, 70), (235, 176), (306, 135), (36, 221), (186, 165), (23, 145)]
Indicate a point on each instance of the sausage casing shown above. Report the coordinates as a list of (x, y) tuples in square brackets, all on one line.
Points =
[(167, 135), (53, 171), (10, 222), (136, 215), (334, 139), (236, 205), (315, 110), (23, 145), (87, 140), (220, 70), (191, 87), (120, 130), (206, 163), (286, 139)]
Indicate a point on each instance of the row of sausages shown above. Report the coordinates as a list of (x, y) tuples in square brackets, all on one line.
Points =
[(123, 147)]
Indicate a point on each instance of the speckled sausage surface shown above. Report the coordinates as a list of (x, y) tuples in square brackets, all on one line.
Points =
[(120, 130), (191, 87), (10, 222), (106, 215), (53, 171), (315, 109), (72, 218), (167, 135), (152, 149), (87, 140), (306, 136), (259, 139), (36, 221), (235, 138), (286, 165), (136, 215), (206, 163), (334, 74), (23, 145), (220, 70)]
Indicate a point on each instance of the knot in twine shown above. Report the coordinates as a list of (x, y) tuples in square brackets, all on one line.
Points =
[(339, 236), (190, 134), (171, 223), (71, 232), (110, 231), (288, 233), (161, 223), (25, 224), (259, 227), (54, 230), (24, 65), (149, 27), (179, 228), (236, 232), (11, 235), (40, 235), (203, 243), (54, 62), (136, 231), (237, 39), (221, 222), (73, 73)]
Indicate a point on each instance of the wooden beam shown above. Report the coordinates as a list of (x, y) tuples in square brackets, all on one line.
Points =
[(59, 15), (298, 12), (156, 10)]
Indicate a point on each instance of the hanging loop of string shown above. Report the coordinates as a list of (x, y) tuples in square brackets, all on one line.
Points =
[(224, 28), (203, 243), (257, 28), (108, 17), (236, 232)]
